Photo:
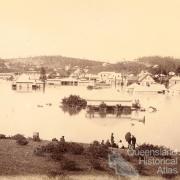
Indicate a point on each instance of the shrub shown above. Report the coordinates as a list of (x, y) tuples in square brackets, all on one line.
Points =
[(54, 147), (54, 139), (140, 168), (73, 104), (75, 148), (2, 136), (18, 136), (126, 157), (39, 151), (57, 156), (70, 165), (154, 150), (74, 101), (169, 176), (98, 151), (22, 141), (96, 164), (60, 147)]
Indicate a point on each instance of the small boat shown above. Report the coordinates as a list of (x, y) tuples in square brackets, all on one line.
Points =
[(152, 109), (40, 106)]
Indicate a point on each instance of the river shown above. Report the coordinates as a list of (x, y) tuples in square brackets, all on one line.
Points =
[(20, 114)]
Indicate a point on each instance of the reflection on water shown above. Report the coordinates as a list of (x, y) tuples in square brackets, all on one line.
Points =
[(20, 114), (71, 110)]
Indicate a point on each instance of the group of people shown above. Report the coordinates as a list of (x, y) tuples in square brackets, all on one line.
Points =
[(131, 140)]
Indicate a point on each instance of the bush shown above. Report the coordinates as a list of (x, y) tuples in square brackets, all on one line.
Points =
[(98, 151), (2, 136), (70, 165), (60, 147), (22, 141), (153, 149), (54, 147), (73, 104), (54, 139), (57, 156), (75, 148), (96, 165), (169, 176), (74, 101), (39, 151), (18, 136)]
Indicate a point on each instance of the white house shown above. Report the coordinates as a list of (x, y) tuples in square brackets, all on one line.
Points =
[(24, 83), (111, 78), (85, 82), (103, 76), (146, 80), (174, 80)]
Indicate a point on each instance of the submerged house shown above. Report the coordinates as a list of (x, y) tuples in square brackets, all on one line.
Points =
[(69, 81), (132, 79), (174, 80), (85, 82), (112, 78), (24, 83), (145, 79), (153, 88), (6, 76), (175, 89)]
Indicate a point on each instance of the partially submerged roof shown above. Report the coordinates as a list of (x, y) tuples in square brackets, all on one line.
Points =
[(152, 88), (24, 79), (109, 96), (176, 87), (110, 102)]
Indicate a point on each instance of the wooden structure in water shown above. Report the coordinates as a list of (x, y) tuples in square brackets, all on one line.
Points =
[(112, 107)]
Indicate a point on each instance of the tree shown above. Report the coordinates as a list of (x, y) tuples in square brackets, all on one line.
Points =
[(178, 70), (43, 76)]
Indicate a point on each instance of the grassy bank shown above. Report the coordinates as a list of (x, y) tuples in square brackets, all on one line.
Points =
[(72, 161), (79, 177), (16, 159)]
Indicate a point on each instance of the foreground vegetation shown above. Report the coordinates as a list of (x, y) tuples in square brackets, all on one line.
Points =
[(58, 159)]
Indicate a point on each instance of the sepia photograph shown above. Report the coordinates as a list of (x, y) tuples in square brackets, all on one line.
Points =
[(90, 89)]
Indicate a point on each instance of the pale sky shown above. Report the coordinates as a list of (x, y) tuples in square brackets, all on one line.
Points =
[(95, 29)]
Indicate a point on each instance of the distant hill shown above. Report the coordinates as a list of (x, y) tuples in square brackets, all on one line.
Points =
[(60, 62), (166, 64), (52, 62), (55, 61)]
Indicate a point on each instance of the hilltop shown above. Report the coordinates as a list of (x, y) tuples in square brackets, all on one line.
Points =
[(153, 64)]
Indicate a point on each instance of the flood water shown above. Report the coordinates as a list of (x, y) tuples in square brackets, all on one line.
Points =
[(20, 114)]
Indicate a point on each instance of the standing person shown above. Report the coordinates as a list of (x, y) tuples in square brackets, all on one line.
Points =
[(108, 144), (133, 139), (102, 142), (62, 140), (112, 139), (128, 139)]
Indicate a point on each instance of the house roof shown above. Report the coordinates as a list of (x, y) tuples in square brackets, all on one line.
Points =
[(153, 88), (143, 77), (175, 78), (24, 79), (175, 87), (132, 78)]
